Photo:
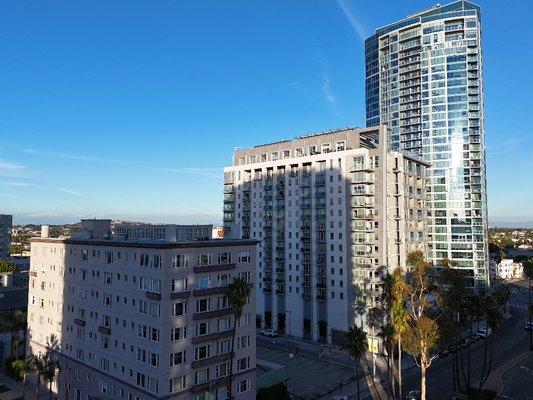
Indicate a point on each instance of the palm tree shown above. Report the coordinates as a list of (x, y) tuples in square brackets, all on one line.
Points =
[(49, 374), (39, 363), (238, 295), (23, 368), (356, 346), (14, 321), (387, 336)]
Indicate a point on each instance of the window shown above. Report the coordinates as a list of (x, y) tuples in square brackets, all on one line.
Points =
[(204, 282), (84, 255), (177, 358), (179, 285), (154, 359), (224, 258), (180, 261), (243, 386), (108, 278), (222, 370), (246, 276), (204, 259), (202, 328), (177, 383), (150, 260), (243, 363), (179, 308), (104, 364), (203, 305), (223, 346), (244, 320), (103, 387), (244, 256), (108, 257), (178, 333), (341, 146), (224, 279), (224, 324), (243, 342), (107, 300), (201, 376), (202, 352)]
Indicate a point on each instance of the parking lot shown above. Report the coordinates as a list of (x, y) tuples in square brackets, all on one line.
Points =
[(309, 378)]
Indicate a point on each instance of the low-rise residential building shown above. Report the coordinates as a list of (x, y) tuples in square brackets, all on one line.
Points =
[(142, 318), (333, 211), (506, 269)]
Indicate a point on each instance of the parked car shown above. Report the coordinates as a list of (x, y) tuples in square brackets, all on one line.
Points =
[(269, 332), (484, 332), (528, 326), (339, 397), (413, 395)]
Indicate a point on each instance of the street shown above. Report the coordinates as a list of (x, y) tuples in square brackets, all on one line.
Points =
[(510, 341), (316, 370)]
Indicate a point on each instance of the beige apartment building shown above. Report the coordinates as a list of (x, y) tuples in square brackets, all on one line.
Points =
[(142, 318), (333, 211)]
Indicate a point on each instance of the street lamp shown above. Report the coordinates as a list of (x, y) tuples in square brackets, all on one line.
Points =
[(291, 357)]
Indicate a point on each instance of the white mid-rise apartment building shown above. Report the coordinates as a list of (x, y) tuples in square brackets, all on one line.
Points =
[(333, 211), (142, 319)]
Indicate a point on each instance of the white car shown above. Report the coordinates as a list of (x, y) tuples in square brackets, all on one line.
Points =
[(269, 332), (484, 332)]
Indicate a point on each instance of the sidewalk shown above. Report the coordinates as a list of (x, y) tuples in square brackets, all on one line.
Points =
[(494, 381), (15, 389), (325, 352)]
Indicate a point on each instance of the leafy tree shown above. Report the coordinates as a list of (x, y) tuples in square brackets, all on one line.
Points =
[(399, 317), (17, 248), (422, 331), (6, 266), (356, 345), (22, 369), (238, 295), (15, 322)]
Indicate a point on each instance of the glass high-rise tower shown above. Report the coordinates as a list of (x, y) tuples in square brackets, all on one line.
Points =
[(424, 80)]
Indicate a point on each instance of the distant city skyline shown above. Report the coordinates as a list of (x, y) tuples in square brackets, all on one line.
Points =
[(136, 120)]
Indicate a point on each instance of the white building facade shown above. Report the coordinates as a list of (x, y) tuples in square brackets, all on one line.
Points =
[(142, 319), (333, 211)]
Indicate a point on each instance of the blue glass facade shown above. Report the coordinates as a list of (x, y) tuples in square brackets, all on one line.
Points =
[(424, 80)]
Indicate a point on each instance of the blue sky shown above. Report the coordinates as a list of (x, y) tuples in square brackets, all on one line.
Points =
[(130, 109)]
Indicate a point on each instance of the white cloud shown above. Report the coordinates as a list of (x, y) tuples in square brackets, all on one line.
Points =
[(10, 169), (352, 19), (70, 191), (20, 184), (55, 154), (207, 172), (326, 89)]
